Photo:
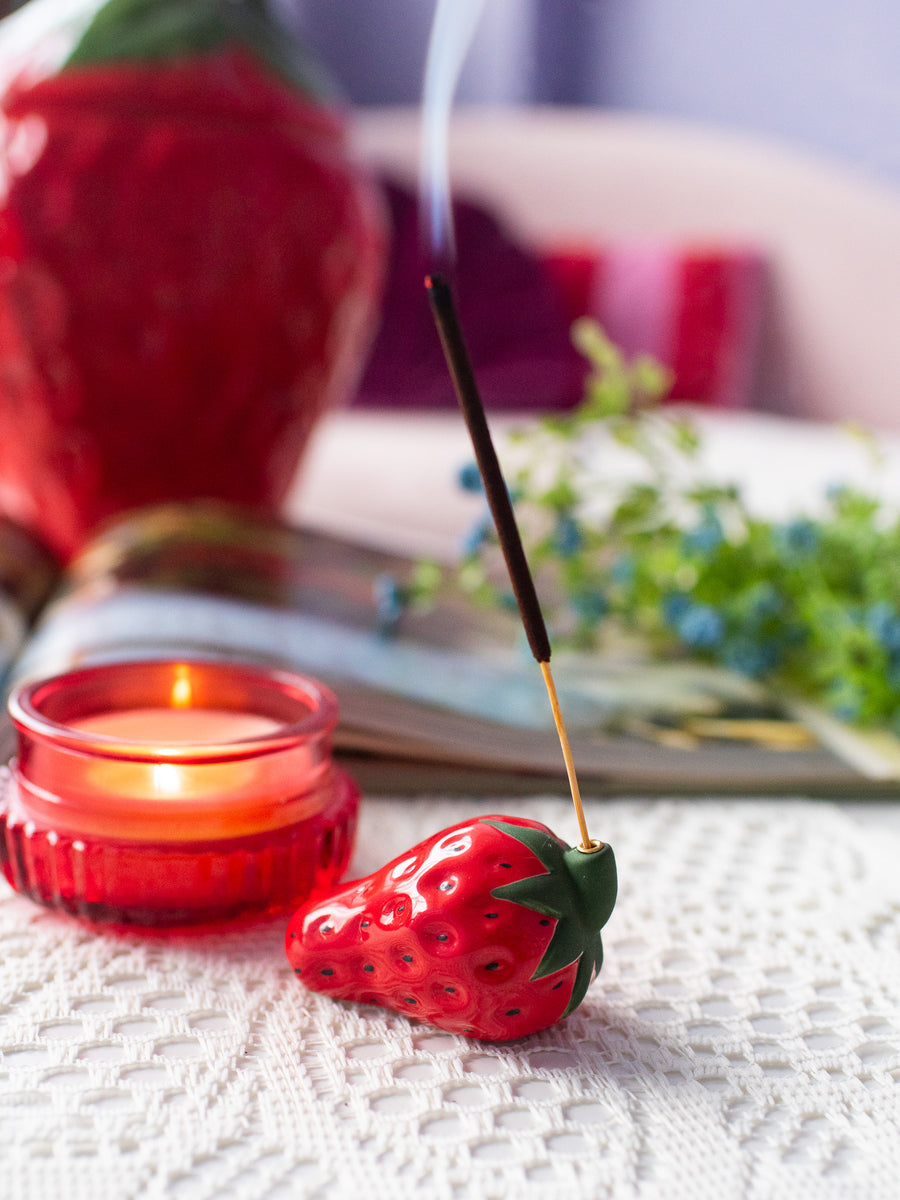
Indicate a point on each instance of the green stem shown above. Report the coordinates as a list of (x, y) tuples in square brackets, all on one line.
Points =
[(160, 30)]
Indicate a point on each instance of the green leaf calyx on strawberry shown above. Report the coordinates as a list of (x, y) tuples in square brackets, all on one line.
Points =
[(579, 889), (159, 30)]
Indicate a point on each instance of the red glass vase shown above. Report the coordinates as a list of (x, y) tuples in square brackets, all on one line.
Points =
[(190, 270)]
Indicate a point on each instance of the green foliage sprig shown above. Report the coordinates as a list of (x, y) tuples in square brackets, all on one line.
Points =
[(656, 550)]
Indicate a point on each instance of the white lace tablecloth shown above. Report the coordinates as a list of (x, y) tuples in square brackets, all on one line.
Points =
[(743, 1039)]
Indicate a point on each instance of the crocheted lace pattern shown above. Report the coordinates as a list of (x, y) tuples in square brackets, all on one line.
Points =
[(742, 1040)]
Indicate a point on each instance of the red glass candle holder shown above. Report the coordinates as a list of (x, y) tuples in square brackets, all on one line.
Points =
[(166, 793)]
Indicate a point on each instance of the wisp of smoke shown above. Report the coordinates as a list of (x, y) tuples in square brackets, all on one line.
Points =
[(455, 22)]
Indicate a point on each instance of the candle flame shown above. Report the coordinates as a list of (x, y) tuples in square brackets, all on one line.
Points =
[(452, 30), (166, 779), (182, 691)]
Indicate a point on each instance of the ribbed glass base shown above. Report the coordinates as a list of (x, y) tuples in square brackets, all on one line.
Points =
[(177, 883)]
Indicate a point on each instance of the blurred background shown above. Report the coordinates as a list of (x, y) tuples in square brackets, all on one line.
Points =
[(816, 74), (753, 143), (819, 74)]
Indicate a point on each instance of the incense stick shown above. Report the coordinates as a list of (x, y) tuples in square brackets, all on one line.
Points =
[(469, 398), (486, 456)]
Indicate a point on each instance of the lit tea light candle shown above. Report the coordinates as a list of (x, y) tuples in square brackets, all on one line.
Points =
[(168, 731), (165, 792), (177, 726)]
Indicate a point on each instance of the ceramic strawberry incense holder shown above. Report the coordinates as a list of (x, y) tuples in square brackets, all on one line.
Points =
[(490, 928)]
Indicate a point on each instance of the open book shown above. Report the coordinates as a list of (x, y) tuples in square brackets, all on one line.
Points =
[(448, 700)]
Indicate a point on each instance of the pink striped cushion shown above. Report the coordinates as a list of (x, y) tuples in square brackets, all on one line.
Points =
[(695, 308)]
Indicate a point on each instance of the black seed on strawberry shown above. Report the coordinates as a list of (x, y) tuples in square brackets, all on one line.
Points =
[(491, 916), (491, 966), (298, 971), (450, 989), (326, 971), (512, 1012), (557, 985), (443, 937), (410, 1000), (407, 958), (446, 886), (364, 924), (545, 921), (507, 866), (394, 911), (368, 967)]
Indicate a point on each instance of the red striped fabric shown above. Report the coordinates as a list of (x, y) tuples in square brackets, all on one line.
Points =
[(695, 308)]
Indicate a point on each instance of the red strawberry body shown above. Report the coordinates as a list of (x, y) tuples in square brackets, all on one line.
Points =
[(489, 929), (189, 273)]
